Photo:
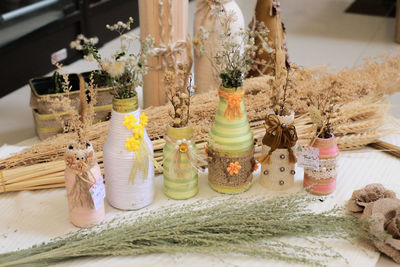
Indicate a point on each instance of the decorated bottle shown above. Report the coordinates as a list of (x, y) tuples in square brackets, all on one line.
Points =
[(278, 159), (85, 187), (206, 78), (230, 146), (180, 160), (323, 182), (127, 157)]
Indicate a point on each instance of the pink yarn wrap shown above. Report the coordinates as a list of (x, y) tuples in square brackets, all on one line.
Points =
[(80, 215)]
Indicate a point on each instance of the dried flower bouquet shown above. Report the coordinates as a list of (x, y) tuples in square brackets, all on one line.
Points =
[(125, 68), (179, 153)]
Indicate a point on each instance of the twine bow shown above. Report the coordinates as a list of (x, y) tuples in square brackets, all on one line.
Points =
[(167, 53), (282, 135), (183, 148), (233, 101), (82, 167)]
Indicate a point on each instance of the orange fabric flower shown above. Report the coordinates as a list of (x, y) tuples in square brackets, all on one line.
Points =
[(233, 101), (234, 168)]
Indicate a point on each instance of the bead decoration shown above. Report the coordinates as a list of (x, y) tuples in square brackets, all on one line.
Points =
[(266, 172), (293, 172), (281, 182), (282, 156), (282, 169)]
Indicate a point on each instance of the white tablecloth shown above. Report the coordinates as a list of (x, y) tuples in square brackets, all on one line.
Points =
[(28, 218)]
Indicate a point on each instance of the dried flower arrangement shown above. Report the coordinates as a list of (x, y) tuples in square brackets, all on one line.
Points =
[(215, 227), (322, 105), (79, 120), (236, 49), (125, 69), (272, 50), (82, 171), (356, 124), (178, 82)]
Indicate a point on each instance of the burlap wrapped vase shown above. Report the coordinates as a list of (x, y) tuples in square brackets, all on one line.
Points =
[(230, 146), (180, 161), (277, 159)]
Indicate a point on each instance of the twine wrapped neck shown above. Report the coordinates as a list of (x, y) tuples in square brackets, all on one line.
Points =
[(279, 135), (233, 101)]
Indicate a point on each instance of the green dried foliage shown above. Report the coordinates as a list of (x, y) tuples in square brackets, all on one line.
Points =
[(224, 226), (58, 83)]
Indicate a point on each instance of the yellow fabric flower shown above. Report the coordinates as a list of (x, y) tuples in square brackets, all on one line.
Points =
[(129, 121), (183, 148), (234, 168), (138, 131), (132, 144), (143, 119)]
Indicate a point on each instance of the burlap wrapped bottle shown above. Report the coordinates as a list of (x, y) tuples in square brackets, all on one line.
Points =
[(323, 182), (206, 78), (230, 146), (180, 160), (278, 159)]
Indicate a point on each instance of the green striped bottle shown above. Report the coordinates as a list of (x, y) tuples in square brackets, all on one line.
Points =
[(180, 172), (230, 146)]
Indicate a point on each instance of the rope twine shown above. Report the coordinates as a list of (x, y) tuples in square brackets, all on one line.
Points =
[(167, 52), (282, 135), (233, 101), (184, 148)]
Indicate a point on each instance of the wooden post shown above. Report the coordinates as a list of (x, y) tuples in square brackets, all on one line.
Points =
[(152, 24), (398, 21)]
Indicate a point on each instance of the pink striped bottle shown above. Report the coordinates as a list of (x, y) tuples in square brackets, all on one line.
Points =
[(323, 182), (81, 173)]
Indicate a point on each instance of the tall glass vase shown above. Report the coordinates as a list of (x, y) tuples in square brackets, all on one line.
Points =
[(180, 159), (230, 147), (124, 191)]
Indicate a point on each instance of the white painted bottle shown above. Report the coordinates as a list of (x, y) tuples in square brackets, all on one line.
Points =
[(119, 161)]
